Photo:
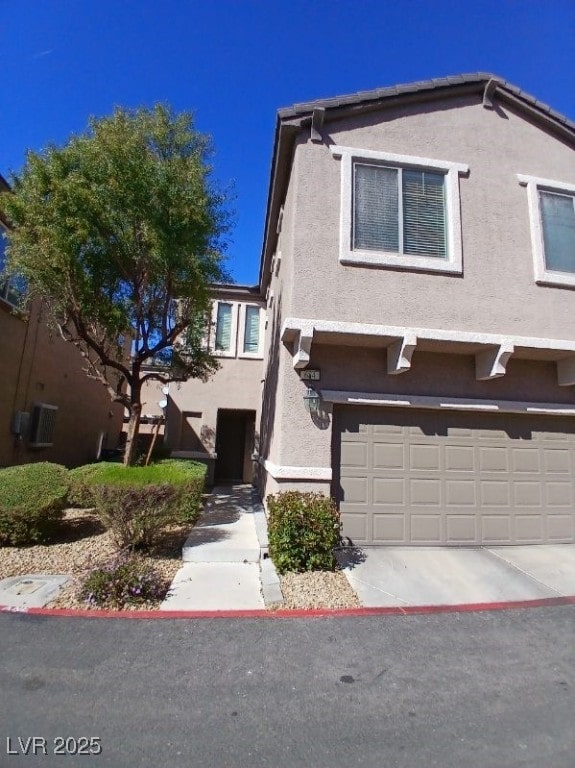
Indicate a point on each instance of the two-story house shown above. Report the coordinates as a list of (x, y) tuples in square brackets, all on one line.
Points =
[(419, 274)]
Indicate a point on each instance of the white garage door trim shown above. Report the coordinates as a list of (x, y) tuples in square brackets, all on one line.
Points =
[(447, 403)]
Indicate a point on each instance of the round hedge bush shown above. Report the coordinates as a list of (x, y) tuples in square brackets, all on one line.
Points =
[(33, 498)]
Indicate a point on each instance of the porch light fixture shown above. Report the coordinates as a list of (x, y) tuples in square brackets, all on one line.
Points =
[(311, 400)]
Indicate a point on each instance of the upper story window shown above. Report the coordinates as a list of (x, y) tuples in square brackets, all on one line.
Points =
[(251, 330), (237, 329), (399, 211), (552, 220), (224, 323)]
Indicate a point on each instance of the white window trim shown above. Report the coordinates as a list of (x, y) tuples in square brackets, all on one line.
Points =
[(452, 264), (232, 352), (242, 328), (543, 276)]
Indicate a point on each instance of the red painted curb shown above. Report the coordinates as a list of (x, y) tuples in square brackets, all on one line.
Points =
[(284, 613)]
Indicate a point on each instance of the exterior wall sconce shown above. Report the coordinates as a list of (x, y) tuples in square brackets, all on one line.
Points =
[(311, 400)]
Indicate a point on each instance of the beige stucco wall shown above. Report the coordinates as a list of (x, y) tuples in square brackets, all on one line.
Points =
[(237, 385), (192, 410), (40, 368), (496, 293), (283, 282)]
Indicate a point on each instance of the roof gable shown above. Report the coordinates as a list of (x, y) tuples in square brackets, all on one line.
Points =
[(313, 114)]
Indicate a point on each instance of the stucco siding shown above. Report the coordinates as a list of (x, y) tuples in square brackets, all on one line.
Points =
[(39, 367), (497, 292)]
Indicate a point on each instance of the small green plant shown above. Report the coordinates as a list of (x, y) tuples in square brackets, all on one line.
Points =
[(138, 503), (126, 580), (303, 531), (32, 500)]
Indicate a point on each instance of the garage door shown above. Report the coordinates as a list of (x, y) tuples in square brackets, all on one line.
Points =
[(437, 478)]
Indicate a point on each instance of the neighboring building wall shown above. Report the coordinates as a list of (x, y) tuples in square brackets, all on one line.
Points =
[(40, 368), (227, 407)]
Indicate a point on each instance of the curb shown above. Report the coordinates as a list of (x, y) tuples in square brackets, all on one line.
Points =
[(285, 613), (271, 590)]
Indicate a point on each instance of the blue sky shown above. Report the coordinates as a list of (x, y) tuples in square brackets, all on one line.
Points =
[(235, 62)]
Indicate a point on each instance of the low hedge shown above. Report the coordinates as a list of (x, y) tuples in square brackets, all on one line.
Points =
[(303, 530), (137, 503), (32, 499), (80, 494)]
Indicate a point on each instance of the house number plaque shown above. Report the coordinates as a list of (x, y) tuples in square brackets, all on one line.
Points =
[(310, 374)]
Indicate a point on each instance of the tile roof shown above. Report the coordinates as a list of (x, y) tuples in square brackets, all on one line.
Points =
[(363, 98)]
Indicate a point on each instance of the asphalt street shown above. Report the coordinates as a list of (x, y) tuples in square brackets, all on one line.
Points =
[(453, 690)]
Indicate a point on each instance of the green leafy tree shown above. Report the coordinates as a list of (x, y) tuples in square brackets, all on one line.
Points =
[(120, 234)]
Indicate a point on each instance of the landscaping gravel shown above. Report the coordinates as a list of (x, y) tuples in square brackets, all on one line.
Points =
[(317, 589), (83, 544)]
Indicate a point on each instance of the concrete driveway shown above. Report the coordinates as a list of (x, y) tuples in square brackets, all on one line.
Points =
[(407, 576)]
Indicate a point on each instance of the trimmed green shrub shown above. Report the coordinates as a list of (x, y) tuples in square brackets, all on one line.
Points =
[(138, 503), (32, 499), (303, 531), (127, 580), (80, 494)]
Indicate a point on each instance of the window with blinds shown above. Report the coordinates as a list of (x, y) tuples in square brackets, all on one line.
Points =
[(558, 227), (224, 327), (399, 210), (252, 330)]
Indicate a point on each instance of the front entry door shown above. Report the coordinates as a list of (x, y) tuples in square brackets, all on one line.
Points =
[(230, 446)]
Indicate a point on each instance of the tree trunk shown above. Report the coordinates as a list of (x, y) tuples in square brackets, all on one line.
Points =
[(131, 451)]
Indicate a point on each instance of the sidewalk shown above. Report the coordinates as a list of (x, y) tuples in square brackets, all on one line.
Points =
[(221, 557)]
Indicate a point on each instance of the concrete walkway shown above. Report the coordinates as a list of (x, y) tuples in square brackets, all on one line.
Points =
[(221, 557), (408, 576)]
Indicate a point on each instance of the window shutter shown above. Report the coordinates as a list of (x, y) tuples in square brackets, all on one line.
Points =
[(224, 328), (252, 330), (423, 214), (375, 208), (558, 223)]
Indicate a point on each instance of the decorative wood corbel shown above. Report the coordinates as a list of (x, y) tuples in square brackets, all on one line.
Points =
[(492, 363), (317, 118), (566, 371), (399, 354), (488, 92), (302, 349)]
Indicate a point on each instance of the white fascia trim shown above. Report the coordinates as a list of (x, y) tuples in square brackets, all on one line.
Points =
[(454, 261), (296, 473), (292, 326), (444, 403), (399, 160), (543, 276)]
